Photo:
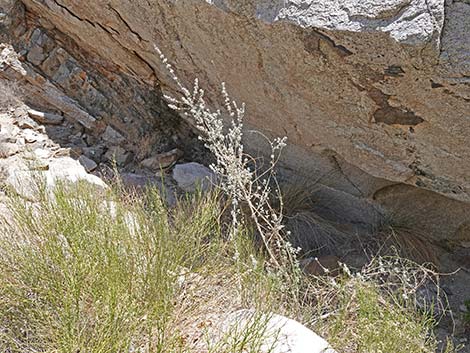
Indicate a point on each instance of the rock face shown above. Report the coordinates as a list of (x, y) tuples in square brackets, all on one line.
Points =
[(374, 95)]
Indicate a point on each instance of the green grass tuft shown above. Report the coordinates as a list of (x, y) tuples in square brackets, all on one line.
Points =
[(98, 272)]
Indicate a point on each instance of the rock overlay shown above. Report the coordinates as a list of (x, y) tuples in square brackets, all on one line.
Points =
[(374, 96)]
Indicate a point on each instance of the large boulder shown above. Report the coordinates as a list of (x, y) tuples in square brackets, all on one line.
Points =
[(374, 95)]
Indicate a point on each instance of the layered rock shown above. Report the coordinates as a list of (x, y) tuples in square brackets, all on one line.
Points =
[(373, 95)]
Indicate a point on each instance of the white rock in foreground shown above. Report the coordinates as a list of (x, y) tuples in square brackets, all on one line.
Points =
[(282, 335), (190, 176), (27, 182)]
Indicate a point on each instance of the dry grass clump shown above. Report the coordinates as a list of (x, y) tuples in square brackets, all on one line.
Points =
[(308, 231), (400, 233)]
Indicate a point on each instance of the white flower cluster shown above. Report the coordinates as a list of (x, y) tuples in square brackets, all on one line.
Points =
[(239, 177)]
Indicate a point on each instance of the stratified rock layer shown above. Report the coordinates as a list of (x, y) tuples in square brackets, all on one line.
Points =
[(373, 95)]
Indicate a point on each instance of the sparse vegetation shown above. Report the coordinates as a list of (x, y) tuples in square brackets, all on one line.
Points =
[(103, 273), (106, 271), (84, 271), (379, 309)]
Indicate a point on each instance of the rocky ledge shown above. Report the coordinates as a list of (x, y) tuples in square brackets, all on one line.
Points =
[(374, 96)]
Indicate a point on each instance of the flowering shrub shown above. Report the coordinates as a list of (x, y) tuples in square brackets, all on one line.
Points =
[(239, 177)]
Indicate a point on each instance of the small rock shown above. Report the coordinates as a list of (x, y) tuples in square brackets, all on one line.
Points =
[(463, 308), (162, 160), (36, 55), (42, 153), (45, 118), (280, 334), (95, 153), (119, 155), (27, 123), (112, 136), (32, 136), (190, 176), (87, 163), (8, 149)]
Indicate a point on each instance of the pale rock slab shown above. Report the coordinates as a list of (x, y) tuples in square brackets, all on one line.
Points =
[(281, 334), (28, 182)]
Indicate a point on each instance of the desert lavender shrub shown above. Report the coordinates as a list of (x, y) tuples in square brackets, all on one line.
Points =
[(239, 177)]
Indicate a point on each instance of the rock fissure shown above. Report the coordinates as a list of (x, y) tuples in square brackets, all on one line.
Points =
[(108, 29), (126, 23), (340, 49), (65, 8)]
